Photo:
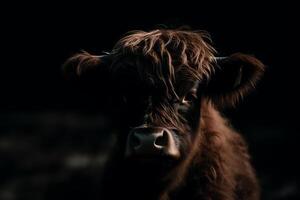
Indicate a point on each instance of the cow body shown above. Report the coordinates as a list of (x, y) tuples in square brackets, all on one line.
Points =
[(165, 89)]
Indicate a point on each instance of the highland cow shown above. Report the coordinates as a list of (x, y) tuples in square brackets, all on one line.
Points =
[(164, 89)]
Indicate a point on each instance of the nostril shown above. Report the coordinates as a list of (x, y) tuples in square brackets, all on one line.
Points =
[(135, 141), (162, 140)]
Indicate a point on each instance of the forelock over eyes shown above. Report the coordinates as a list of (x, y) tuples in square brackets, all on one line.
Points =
[(169, 55)]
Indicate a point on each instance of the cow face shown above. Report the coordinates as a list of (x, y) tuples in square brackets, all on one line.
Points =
[(159, 119)]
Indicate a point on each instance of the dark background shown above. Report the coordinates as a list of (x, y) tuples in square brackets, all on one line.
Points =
[(53, 145)]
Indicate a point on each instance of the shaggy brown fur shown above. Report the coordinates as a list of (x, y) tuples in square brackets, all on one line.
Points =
[(154, 74)]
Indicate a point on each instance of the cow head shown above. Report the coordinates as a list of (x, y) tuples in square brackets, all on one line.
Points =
[(155, 82)]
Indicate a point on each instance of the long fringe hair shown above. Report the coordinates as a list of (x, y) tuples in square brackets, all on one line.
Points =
[(169, 52)]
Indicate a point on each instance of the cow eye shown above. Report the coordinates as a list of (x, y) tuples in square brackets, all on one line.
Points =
[(189, 98)]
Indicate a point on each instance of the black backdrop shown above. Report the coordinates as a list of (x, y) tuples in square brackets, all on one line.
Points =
[(51, 147)]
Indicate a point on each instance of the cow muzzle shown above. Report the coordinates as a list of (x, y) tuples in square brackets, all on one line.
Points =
[(152, 142)]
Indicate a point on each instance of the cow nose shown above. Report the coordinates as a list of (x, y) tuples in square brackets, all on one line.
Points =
[(151, 141)]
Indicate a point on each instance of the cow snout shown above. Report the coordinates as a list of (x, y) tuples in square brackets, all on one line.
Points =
[(151, 142)]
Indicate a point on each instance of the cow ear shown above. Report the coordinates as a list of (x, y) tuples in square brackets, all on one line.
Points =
[(88, 77), (86, 67), (234, 77), (88, 81)]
